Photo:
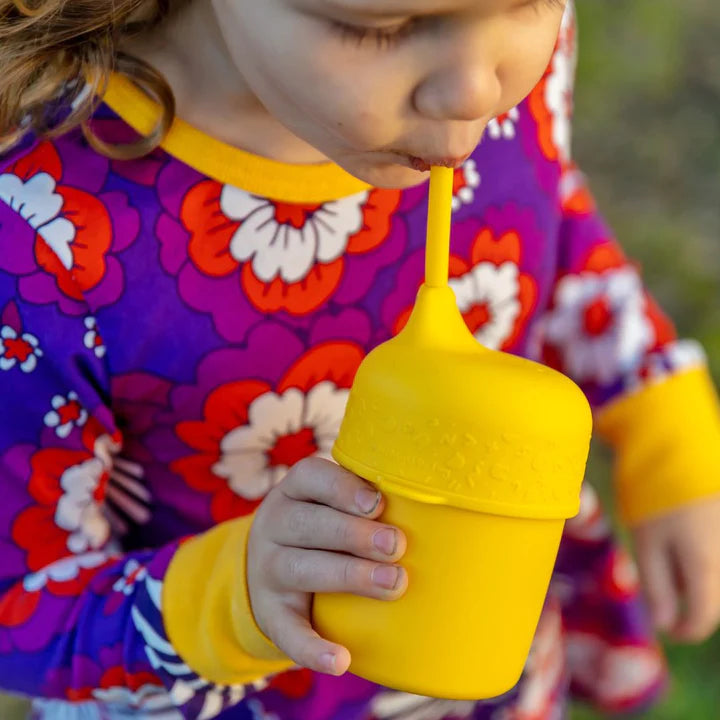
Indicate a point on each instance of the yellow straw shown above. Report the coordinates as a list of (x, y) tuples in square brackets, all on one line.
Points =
[(437, 250)]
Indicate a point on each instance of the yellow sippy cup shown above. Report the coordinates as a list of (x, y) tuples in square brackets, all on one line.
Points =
[(480, 455)]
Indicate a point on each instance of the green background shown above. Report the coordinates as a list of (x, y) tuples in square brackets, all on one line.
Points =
[(647, 133)]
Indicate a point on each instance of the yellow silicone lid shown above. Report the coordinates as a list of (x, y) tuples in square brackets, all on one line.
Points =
[(436, 417)]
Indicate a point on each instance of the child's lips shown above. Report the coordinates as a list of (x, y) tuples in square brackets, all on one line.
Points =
[(423, 164)]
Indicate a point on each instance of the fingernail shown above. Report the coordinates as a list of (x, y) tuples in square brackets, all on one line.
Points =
[(386, 576), (327, 662), (385, 541), (367, 500)]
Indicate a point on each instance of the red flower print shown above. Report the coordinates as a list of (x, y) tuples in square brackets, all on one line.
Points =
[(71, 490), (253, 433), (140, 691), (495, 297), (66, 414), (575, 196), (602, 325), (92, 339), (617, 677), (465, 181), (503, 126), (71, 231), (291, 256), (550, 102), (22, 350), (294, 684)]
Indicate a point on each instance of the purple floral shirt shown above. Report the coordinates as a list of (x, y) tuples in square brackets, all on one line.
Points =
[(170, 343)]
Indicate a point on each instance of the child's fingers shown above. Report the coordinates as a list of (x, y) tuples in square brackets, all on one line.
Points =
[(318, 480), (318, 527), (701, 583), (656, 569), (293, 634), (313, 571)]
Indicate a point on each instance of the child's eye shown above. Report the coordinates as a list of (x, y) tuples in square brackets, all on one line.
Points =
[(388, 37), (383, 37), (539, 4)]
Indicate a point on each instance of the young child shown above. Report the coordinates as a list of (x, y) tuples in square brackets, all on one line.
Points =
[(180, 326)]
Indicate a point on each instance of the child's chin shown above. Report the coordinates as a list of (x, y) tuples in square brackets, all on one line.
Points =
[(388, 175)]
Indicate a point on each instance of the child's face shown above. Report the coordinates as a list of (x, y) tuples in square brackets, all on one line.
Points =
[(382, 86)]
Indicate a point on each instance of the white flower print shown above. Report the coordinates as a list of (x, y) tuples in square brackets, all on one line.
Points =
[(590, 523), (503, 126), (66, 414), (38, 203), (467, 180), (78, 510), (492, 292), (599, 324), (281, 430), (546, 666), (668, 360), (259, 712), (64, 570), (147, 701), (288, 240), (133, 572), (92, 339), (559, 86), (405, 706), (18, 349), (617, 674), (685, 354)]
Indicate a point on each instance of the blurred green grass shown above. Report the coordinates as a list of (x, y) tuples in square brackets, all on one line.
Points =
[(647, 133)]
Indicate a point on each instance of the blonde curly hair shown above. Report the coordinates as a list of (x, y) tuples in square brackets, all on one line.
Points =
[(61, 53)]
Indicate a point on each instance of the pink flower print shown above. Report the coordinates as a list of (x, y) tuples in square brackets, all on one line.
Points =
[(66, 414), (18, 349), (92, 339)]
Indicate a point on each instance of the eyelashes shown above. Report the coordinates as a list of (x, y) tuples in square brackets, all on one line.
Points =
[(386, 38), (382, 38)]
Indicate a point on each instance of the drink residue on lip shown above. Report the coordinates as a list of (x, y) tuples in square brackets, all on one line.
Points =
[(419, 164)]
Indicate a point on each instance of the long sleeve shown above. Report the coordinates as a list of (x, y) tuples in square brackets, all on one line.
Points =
[(654, 400), (80, 619), (652, 394), (653, 397)]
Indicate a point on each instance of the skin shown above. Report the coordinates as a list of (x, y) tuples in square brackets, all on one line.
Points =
[(279, 78), (679, 560)]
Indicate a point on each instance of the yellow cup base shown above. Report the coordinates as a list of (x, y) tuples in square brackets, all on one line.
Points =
[(463, 630)]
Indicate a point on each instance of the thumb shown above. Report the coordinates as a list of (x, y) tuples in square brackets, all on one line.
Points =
[(292, 632), (657, 572)]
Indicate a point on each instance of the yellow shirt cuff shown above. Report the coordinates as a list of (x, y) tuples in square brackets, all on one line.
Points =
[(667, 442), (207, 609)]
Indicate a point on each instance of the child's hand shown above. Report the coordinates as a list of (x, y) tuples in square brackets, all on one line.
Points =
[(315, 532), (679, 560)]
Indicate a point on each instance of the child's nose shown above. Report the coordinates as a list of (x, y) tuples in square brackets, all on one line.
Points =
[(464, 92)]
